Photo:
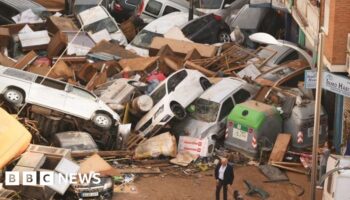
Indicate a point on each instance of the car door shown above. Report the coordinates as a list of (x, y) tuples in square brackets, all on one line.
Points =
[(178, 89), (48, 93), (80, 102), (225, 110)]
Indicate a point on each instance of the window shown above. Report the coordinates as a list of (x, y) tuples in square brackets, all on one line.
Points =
[(50, 83), (205, 110), (19, 74), (241, 96), (153, 7), (194, 26), (176, 79), (144, 38), (208, 4), (169, 9), (106, 23), (226, 108), (158, 94), (82, 93)]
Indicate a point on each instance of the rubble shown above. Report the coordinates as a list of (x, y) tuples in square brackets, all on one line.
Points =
[(90, 102)]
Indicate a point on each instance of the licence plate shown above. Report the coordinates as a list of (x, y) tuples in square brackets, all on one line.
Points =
[(239, 134), (90, 194)]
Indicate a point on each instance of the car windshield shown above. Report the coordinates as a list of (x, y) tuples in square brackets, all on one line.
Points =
[(205, 110), (144, 38), (158, 94), (106, 23), (208, 4)]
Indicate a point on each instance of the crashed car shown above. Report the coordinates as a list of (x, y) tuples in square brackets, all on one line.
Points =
[(170, 99), (82, 142), (97, 19), (207, 115), (208, 29), (157, 28), (18, 87)]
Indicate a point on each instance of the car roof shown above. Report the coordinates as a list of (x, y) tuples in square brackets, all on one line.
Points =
[(93, 15), (165, 23), (222, 89)]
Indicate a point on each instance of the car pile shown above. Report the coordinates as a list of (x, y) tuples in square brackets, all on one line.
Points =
[(109, 77)]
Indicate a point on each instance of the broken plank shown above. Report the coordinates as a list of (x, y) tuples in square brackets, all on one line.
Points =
[(280, 147), (191, 65), (102, 154)]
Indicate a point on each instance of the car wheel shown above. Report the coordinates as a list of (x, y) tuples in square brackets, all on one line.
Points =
[(14, 96), (224, 37), (205, 83), (178, 110), (102, 120)]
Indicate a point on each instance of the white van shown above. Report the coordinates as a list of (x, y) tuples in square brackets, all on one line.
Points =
[(154, 9), (157, 28)]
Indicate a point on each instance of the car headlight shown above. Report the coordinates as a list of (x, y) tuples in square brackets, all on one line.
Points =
[(108, 184), (159, 111)]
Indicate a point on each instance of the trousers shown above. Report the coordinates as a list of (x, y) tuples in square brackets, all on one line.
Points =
[(218, 189)]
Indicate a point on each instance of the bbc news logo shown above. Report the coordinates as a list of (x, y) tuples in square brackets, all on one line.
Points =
[(15, 178)]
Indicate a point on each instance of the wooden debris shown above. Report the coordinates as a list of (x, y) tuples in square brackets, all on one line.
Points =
[(155, 170), (280, 147), (191, 65)]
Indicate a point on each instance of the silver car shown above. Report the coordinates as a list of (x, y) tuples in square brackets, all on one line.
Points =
[(208, 113), (18, 87)]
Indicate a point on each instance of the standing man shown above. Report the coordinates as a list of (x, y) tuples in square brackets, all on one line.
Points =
[(224, 176)]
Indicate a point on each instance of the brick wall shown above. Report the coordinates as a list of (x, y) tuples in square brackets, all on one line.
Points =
[(339, 27)]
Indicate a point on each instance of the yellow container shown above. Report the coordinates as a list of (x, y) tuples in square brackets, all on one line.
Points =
[(14, 138)]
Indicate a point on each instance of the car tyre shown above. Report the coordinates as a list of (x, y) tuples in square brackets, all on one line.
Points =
[(102, 120), (205, 83), (224, 37), (14, 96), (178, 110)]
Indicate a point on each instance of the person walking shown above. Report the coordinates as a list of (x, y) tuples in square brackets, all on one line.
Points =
[(223, 176)]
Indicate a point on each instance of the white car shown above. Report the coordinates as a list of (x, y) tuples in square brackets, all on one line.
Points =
[(170, 99), (157, 28), (207, 114), (18, 87), (97, 19)]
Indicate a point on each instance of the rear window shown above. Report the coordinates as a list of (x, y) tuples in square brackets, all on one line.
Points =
[(169, 9), (176, 79), (153, 7), (19, 74), (133, 2), (241, 96)]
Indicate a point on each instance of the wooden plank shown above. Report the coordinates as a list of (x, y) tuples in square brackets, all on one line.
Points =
[(183, 47), (191, 65), (280, 147)]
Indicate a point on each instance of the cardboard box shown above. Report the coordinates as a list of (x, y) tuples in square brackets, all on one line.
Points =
[(55, 24)]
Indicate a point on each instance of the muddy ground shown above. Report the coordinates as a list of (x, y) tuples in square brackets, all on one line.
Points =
[(201, 186)]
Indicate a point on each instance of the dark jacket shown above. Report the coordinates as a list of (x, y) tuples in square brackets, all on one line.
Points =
[(228, 174)]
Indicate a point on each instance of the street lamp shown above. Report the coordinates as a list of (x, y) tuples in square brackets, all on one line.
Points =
[(266, 38)]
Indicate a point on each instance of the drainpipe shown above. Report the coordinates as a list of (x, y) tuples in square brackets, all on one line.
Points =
[(190, 12)]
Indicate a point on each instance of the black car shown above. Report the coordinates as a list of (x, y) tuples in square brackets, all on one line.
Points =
[(207, 29), (122, 10), (10, 8)]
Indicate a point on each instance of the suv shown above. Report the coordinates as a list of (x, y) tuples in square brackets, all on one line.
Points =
[(157, 8), (170, 99), (18, 87)]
